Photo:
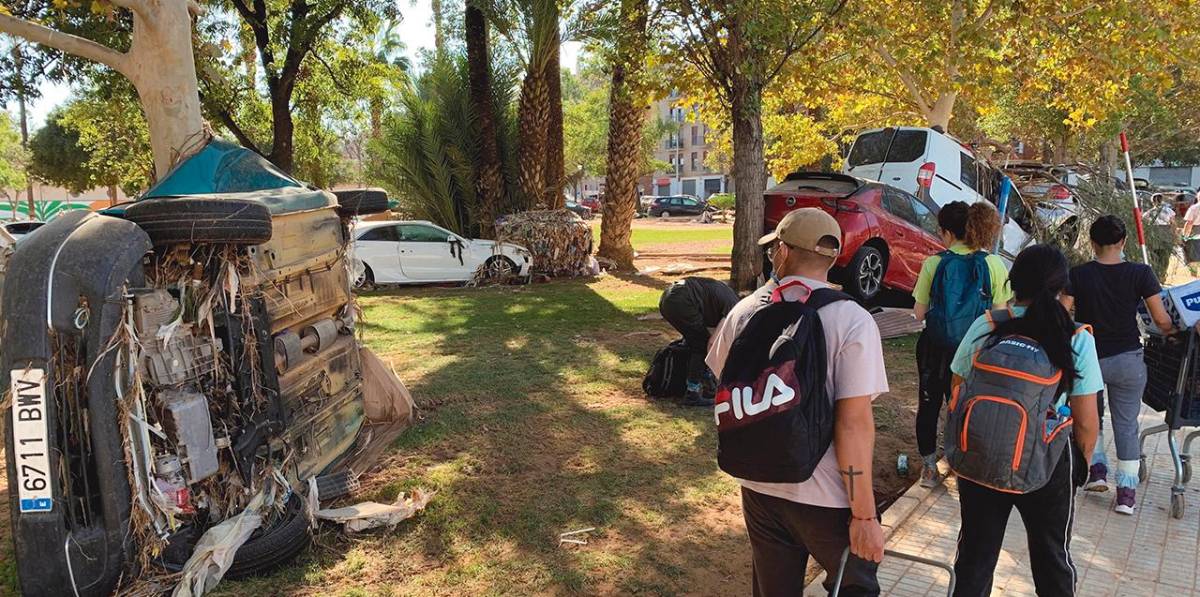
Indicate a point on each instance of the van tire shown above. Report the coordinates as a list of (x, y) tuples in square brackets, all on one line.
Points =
[(361, 202), (198, 220), (266, 550), (864, 274)]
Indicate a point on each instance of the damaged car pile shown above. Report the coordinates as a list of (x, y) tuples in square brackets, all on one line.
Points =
[(180, 372)]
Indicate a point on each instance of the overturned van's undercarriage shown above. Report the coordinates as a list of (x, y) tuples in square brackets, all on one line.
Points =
[(167, 377)]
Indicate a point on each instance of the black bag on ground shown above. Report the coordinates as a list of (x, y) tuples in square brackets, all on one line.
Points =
[(667, 377), (774, 416)]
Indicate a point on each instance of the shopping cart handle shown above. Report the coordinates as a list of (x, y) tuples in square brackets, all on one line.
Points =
[(837, 583)]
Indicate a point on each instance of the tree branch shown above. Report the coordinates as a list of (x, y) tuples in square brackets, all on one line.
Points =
[(71, 44), (138, 6), (227, 119), (918, 96)]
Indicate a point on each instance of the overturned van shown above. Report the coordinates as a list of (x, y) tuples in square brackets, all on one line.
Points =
[(173, 363)]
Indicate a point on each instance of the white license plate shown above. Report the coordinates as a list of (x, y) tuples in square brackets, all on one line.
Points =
[(31, 450)]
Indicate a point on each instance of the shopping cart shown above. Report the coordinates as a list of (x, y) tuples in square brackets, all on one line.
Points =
[(837, 581), (1173, 387)]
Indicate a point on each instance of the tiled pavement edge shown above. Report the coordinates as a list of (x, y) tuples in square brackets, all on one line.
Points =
[(1143, 555)]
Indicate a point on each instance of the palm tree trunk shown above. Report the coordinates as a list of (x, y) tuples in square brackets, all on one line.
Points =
[(554, 133), (489, 180), (626, 117), (533, 119)]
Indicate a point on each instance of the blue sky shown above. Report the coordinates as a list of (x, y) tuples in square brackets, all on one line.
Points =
[(415, 30)]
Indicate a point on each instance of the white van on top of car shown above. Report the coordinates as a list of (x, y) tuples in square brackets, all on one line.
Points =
[(926, 161)]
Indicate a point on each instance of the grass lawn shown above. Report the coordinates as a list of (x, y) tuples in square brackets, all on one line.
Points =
[(653, 234), (533, 423)]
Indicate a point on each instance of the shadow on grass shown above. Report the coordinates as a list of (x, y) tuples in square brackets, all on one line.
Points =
[(534, 424)]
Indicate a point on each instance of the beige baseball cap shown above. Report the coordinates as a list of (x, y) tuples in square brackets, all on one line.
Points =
[(804, 228)]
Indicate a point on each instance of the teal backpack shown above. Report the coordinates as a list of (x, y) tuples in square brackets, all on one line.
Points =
[(961, 292)]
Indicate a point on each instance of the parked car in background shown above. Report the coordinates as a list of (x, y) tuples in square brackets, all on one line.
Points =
[(579, 210), (419, 252), (593, 202), (644, 203), (931, 164), (677, 205), (20, 229), (1049, 193), (886, 232)]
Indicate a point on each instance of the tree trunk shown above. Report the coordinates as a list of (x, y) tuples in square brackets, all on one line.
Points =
[(626, 117), (112, 195), (489, 181), (750, 181), (943, 110), (438, 28), (533, 115), (554, 133), (19, 66), (163, 70), (283, 152)]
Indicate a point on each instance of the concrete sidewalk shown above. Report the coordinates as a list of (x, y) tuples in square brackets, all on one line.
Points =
[(1143, 555)]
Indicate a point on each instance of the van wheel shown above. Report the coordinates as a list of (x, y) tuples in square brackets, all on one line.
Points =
[(174, 220), (361, 202), (267, 548), (864, 274)]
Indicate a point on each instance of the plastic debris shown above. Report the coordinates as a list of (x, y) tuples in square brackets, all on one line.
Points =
[(370, 515), (216, 549)]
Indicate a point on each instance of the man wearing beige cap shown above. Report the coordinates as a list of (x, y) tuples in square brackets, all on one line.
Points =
[(835, 507)]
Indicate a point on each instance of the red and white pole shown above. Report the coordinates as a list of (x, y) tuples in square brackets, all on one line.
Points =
[(1137, 208)]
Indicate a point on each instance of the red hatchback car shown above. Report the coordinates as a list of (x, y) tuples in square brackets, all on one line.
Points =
[(886, 232)]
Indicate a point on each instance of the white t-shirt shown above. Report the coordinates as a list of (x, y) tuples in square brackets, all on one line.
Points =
[(1193, 214), (855, 368), (1161, 215)]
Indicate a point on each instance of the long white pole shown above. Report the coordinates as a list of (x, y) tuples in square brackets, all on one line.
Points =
[(1137, 208)]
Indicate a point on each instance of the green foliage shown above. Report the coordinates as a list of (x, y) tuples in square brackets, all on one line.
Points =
[(1097, 199), (111, 128), (427, 154), (57, 157), (585, 124), (333, 64), (12, 156), (723, 201)]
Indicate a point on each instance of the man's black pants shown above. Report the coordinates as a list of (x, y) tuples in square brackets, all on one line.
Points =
[(933, 390), (679, 310), (1048, 514), (784, 533)]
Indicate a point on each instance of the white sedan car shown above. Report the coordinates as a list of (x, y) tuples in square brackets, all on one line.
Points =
[(418, 252)]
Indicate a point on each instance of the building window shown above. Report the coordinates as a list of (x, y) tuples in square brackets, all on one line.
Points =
[(693, 161), (695, 134), (705, 162)]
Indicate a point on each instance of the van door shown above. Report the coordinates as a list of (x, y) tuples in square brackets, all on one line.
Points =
[(891, 156)]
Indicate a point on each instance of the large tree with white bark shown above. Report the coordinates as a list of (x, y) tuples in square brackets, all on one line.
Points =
[(159, 62)]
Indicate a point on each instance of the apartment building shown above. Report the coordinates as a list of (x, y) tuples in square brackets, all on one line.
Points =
[(685, 151)]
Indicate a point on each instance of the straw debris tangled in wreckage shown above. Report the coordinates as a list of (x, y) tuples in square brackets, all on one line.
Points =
[(179, 374)]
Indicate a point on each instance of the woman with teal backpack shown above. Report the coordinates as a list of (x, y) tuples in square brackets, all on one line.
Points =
[(954, 288)]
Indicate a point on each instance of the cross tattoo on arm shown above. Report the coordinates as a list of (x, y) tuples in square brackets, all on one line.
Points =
[(851, 473)]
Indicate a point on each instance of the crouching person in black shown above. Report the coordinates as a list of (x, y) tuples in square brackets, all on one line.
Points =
[(692, 306)]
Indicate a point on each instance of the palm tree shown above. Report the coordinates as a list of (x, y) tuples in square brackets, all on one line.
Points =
[(533, 28), (490, 177), (387, 48), (626, 118)]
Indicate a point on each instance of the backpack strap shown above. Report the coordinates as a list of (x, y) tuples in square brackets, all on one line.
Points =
[(777, 294), (998, 316), (826, 296)]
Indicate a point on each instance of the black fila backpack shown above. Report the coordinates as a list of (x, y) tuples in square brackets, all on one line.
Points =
[(774, 417)]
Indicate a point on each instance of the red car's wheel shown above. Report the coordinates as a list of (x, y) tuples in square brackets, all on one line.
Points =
[(864, 274)]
